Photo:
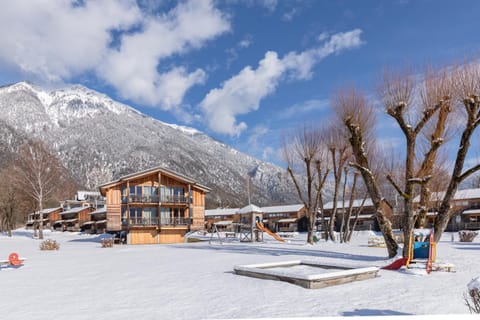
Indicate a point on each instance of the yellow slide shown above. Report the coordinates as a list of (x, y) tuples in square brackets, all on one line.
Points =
[(265, 229)]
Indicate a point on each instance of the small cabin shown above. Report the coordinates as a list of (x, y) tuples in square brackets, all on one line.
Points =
[(97, 223), (73, 219), (50, 215)]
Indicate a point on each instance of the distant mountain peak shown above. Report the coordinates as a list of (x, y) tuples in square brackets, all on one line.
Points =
[(99, 139)]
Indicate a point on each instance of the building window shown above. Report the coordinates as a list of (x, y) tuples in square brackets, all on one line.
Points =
[(136, 216), (150, 215), (165, 216), (124, 215)]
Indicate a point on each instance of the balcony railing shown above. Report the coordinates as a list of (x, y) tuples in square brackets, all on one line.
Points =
[(155, 199), (472, 225), (157, 221)]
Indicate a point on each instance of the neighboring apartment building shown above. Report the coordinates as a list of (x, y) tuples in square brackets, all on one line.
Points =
[(365, 209), (465, 207), (49, 215), (154, 206), (276, 218)]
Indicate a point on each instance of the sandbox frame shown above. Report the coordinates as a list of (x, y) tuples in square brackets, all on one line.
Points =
[(314, 281)]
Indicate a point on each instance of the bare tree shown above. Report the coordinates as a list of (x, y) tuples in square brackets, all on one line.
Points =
[(435, 91), (358, 116), (305, 157), (466, 85), (348, 224), (39, 174), (340, 152), (398, 93), (8, 204)]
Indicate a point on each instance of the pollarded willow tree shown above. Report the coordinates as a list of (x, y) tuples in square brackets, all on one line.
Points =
[(357, 114), (340, 152), (421, 111), (399, 94), (466, 88), (307, 165)]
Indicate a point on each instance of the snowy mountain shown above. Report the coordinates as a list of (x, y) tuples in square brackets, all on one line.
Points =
[(99, 139)]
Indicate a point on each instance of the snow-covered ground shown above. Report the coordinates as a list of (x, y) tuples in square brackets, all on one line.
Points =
[(196, 280)]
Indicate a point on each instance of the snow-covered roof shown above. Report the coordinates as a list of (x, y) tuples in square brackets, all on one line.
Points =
[(249, 209), (356, 204), (74, 210), (464, 194), (223, 223), (46, 211), (290, 220), (284, 208), (271, 209), (471, 211), (99, 210), (49, 210), (221, 212)]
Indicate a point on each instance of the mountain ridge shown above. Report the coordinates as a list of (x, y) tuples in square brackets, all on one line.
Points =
[(99, 139)]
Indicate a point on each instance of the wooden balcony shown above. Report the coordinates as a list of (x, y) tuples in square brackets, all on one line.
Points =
[(178, 221), (169, 199)]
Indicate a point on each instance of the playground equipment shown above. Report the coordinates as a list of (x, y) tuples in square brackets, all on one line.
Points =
[(13, 260), (265, 229), (226, 234), (249, 230), (422, 250)]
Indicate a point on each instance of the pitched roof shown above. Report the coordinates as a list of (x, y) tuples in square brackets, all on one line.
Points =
[(221, 212), (356, 204), (280, 209), (464, 194), (150, 171), (74, 210), (249, 209), (271, 209)]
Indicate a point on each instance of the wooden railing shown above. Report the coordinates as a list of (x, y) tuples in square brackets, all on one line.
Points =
[(182, 199), (472, 225), (157, 221)]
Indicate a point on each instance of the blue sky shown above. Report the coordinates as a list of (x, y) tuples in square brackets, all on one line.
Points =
[(241, 71)]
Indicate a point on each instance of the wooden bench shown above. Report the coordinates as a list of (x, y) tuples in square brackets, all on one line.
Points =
[(377, 242), (230, 234)]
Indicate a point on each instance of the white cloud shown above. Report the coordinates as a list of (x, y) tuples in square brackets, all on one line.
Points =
[(132, 68), (55, 40), (303, 108), (242, 93), (58, 40)]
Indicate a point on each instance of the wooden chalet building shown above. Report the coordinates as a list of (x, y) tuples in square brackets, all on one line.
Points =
[(465, 206), (366, 213), (50, 215), (154, 206)]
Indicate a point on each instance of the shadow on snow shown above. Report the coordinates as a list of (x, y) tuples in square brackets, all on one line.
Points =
[(245, 249)]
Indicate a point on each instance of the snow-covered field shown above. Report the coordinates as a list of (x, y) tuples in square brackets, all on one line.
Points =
[(196, 280)]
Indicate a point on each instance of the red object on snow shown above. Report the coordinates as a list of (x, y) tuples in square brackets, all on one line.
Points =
[(397, 264), (13, 259)]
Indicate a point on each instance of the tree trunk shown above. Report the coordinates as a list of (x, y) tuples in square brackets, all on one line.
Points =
[(356, 140), (40, 229), (444, 213)]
